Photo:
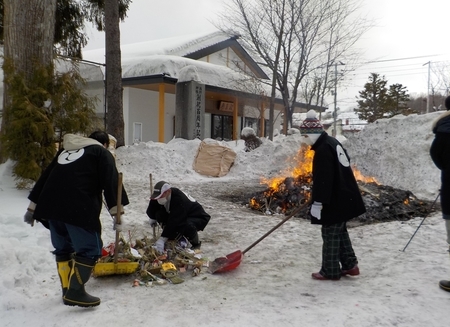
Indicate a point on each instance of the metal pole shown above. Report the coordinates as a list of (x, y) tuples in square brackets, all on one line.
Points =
[(429, 211), (335, 100), (428, 100), (428, 87)]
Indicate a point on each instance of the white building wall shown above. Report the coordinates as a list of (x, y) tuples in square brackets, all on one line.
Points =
[(142, 106), (226, 57)]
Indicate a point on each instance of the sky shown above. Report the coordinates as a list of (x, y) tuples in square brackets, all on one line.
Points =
[(407, 35), (273, 284)]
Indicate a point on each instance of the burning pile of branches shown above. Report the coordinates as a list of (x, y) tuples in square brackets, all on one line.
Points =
[(285, 197), (383, 203)]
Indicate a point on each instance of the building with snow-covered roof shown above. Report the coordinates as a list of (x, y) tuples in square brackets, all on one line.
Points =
[(229, 80)]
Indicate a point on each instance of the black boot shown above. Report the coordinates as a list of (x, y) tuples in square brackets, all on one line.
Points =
[(445, 285), (64, 264), (196, 244), (79, 275)]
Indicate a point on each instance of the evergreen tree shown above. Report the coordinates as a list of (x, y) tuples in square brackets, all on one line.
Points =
[(43, 108), (374, 99), (398, 100), (39, 106), (377, 101)]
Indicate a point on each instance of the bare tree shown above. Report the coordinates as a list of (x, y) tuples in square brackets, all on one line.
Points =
[(439, 79), (344, 28), (294, 39)]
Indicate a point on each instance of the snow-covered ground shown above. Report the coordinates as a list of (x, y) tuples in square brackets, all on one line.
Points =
[(273, 284)]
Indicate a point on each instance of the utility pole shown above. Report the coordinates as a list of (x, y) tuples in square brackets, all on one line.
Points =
[(335, 97), (428, 87), (335, 100)]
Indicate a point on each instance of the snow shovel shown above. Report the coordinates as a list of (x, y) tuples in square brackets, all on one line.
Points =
[(116, 268), (232, 260)]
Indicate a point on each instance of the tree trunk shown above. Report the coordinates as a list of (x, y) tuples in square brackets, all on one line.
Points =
[(29, 28), (114, 94)]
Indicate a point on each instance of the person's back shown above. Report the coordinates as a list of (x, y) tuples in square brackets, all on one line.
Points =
[(67, 198), (70, 190), (334, 182)]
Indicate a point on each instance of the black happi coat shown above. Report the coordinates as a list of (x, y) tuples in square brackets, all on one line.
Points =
[(440, 154), (334, 184), (70, 189), (182, 208)]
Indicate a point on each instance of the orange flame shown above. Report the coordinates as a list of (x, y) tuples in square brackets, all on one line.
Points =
[(254, 204), (301, 165), (360, 177)]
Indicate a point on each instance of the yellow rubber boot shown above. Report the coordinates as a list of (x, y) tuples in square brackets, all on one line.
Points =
[(79, 275), (64, 264)]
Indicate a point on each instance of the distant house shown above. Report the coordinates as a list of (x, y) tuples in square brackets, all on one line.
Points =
[(347, 123), (234, 96)]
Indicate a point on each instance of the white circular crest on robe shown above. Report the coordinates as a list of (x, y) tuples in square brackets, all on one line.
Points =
[(342, 157), (67, 157)]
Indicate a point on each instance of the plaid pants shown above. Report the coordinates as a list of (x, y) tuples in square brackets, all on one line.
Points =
[(337, 248)]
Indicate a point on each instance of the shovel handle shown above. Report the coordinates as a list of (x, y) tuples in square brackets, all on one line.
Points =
[(292, 214), (119, 212)]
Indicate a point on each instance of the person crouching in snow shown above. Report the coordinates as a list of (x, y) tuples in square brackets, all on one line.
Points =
[(335, 200), (67, 199), (178, 213), (440, 154)]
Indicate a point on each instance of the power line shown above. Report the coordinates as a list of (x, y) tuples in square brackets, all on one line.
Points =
[(388, 70), (382, 72), (365, 76), (397, 59)]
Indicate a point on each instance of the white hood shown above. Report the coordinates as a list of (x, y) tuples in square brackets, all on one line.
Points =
[(75, 142)]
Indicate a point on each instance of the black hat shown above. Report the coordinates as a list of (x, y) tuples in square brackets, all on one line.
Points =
[(159, 189)]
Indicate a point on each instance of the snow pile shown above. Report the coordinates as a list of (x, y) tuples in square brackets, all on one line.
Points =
[(396, 152), (273, 282)]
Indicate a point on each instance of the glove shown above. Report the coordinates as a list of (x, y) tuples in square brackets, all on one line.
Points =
[(113, 211), (153, 222), (28, 217), (159, 245), (316, 209), (116, 226)]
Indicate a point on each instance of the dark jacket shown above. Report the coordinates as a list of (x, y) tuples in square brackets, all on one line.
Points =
[(183, 209), (70, 189), (440, 154), (334, 184)]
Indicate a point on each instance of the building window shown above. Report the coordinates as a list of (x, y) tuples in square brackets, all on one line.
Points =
[(221, 127)]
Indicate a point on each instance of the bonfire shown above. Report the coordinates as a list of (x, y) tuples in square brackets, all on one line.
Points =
[(293, 188)]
